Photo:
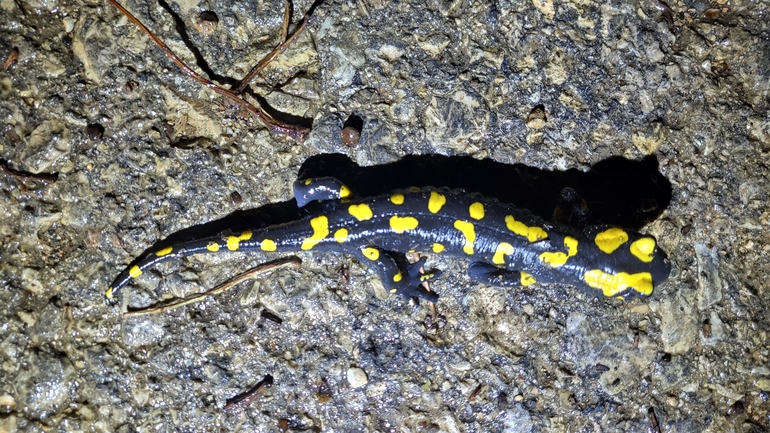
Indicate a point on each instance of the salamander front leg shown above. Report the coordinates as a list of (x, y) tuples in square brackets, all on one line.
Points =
[(571, 208), (492, 275), (397, 275)]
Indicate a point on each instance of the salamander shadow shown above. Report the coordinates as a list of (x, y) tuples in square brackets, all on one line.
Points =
[(617, 191)]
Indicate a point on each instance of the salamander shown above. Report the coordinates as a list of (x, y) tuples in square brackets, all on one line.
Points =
[(507, 246)]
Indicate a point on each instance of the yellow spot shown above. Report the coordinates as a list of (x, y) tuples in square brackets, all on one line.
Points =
[(233, 242), (164, 252), (413, 189), (476, 210), (643, 249), (212, 246), (469, 232), (402, 224), (610, 239), (533, 234), (362, 211), (397, 277), (554, 259), (397, 199), (108, 293), (437, 248), (345, 192), (371, 253), (394, 290), (559, 258), (426, 277), (611, 285), (571, 244), (341, 235), (308, 181), (527, 279), (268, 245), (503, 249), (135, 272), (320, 226), (436, 201)]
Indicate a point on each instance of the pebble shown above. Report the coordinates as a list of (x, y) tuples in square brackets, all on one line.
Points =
[(357, 377), (7, 403)]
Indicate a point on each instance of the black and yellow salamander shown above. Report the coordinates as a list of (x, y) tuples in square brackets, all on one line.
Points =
[(507, 246)]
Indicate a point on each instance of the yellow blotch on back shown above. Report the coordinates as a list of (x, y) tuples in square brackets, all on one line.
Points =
[(320, 226), (268, 245), (212, 246), (436, 202), (371, 253), (476, 210), (572, 245), (164, 252), (402, 224), (559, 258), (134, 271), (643, 249), (533, 234), (437, 248), (397, 277), (345, 192), (469, 232), (233, 242), (397, 198), (503, 249), (527, 279), (611, 285), (610, 239), (361, 212), (341, 235)]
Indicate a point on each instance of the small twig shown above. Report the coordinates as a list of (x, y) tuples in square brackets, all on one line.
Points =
[(286, 20), (227, 285), (668, 13), (654, 425), (23, 175), (278, 50), (13, 56), (475, 392), (296, 132), (249, 396)]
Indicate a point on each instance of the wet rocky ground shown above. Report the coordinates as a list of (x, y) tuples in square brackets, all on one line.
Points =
[(107, 148)]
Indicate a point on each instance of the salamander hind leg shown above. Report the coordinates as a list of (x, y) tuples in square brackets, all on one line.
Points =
[(490, 274), (398, 276), (320, 189)]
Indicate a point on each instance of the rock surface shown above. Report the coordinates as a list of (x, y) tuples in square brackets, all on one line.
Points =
[(141, 151)]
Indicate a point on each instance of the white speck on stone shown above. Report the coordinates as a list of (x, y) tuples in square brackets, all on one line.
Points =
[(69, 24), (391, 53), (357, 377), (709, 279)]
